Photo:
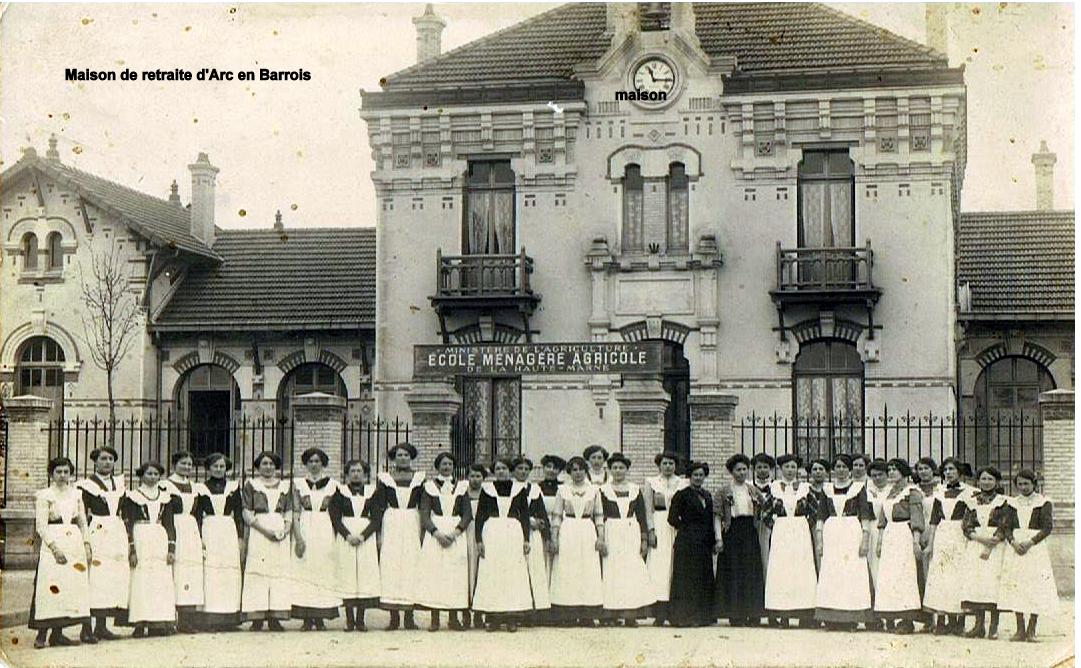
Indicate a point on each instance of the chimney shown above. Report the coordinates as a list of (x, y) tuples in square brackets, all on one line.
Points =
[(203, 180), (174, 194), (938, 23), (621, 20), (429, 34), (278, 225), (1045, 161), (52, 155)]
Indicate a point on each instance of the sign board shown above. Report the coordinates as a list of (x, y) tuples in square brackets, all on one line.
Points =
[(499, 359)]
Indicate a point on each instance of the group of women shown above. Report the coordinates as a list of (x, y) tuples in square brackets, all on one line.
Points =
[(582, 546)]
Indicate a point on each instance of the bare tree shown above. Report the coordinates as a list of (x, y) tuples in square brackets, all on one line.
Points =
[(110, 315)]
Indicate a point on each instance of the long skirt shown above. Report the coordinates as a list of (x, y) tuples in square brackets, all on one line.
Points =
[(946, 574), (539, 583), (358, 567), (474, 557), (61, 591), (443, 571), (764, 531), (691, 602), (872, 555), (627, 587), (315, 595), (844, 583), (152, 599), (897, 592), (791, 581), (110, 574), (267, 590), (659, 560), (577, 587), (740, 581), (188, 566), (503, 574), (221, 571), (1028, 584), (398, 561), (982, 576)]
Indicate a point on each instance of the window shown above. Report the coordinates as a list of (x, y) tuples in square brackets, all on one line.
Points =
[(56, 253), (30, 252), (489, 209), (39, 372), (1007, 396), (492, 413), (307, 378), (209, 399), (633, 193), (677, 416), (828, 396), (826, 213), (678, 205)]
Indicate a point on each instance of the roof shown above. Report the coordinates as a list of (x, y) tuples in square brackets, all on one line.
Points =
[(163, 223), (763, 37), (295, 279), (1017, 263)]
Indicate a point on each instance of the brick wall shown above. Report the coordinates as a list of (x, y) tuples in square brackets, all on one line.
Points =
[(713, 440), (432, 406), (28, 455), (318, 424), (643, 438), (1057, 414)]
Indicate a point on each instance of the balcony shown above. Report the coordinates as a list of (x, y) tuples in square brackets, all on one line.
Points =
[(825, 276), (484, 283)]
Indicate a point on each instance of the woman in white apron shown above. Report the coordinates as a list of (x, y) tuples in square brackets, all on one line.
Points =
[(110, 573), (61, 582), (597, 458), (503, 592), (624, 543), (266, 591), (658, 492), (897, 592), (790, 578), (357, 514), (1028, 584), (188, 569), (876, 490), (400, 550), (474, 489), (740, 582), (843, 598), (219, 514), (763, 466), (149, 512), (984, 527), (315, 556), (946, 544), (539, 537), (577, 588), (553, 467), (445, 516), (925, 475)]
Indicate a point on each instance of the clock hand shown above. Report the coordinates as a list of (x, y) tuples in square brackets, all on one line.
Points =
[(651, 76)]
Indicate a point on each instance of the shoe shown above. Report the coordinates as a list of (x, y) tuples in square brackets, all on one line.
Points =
[(103, 633), (941, 629), (904, 628), (491, 628), (455, 625), (410, 624), (433, 628), (57, 639), (512, 628), (631, 623), (658, 622), (992, 634), (360, 627), (977, 632), (274, 625), (1020, 636), (320, 625), (87, 638), (140, 631), (256, 625), (350, 625), (466, 622), (394, 624)]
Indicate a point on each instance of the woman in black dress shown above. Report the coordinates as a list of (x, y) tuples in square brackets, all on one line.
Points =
[(691, 513), (741, 581)]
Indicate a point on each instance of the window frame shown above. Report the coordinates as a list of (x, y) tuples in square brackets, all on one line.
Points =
[(54, 256), (670, 191), (30, 251), (491, 186), (826, 177), (640, 223)]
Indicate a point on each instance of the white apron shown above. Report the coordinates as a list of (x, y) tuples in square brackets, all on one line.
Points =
[(791, 582), (539, 583), (312, 572), (875, 496), (61, 591), (266, 588), (897, 588), (764, 532), (627, 585), (110, 572), (1028, 584), (576, 569), (503, 573), (152, 595), (221, 569), (471, 548), (945, 587), (839, 586), (188, 565), (659, 560), (401, 545), (444, 571), (983, 576), (358, 567)]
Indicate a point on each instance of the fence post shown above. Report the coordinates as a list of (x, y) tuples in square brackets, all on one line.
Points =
[(433, 405), (317, 423), (713, 433), (642, 404), (1057, 417), (28, 458)]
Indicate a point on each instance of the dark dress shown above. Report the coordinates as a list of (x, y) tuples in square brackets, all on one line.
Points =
[(741, 580), (691, 601)]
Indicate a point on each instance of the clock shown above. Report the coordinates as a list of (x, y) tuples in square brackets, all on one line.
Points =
[(654, 79)]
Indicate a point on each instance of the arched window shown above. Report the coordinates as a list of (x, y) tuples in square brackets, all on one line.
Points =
[(1007, 396), (208, 399), (678, 204), (56, 253), (307, 378), (30, 252), (828, 397), (39, 371), (633, 189)]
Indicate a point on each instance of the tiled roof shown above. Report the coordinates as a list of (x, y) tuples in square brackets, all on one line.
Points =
[(1017, 261), (296, 279), (161, 222), (763, 37)]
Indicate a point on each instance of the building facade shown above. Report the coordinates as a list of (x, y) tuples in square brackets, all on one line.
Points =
[(783, 220)]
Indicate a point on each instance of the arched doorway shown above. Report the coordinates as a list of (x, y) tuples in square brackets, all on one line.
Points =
[(1007, 406), (676, 378), (207, 400), (39, 371), (827, 396), (305, 379)]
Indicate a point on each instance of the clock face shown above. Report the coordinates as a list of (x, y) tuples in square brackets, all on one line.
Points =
[(655, 75)]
